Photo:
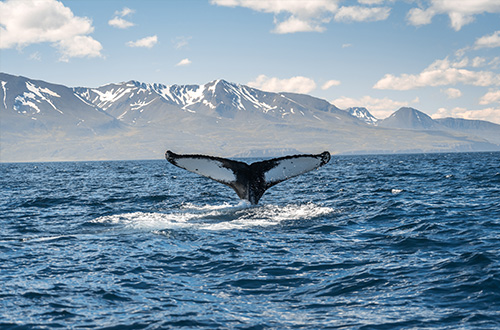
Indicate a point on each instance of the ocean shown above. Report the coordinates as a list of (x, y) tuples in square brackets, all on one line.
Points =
[(365, 242)]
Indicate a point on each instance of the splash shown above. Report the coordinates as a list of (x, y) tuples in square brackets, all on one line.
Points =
[(218, 217)]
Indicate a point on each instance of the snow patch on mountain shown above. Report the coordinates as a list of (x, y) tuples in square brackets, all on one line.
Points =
[(140, 104), (83, 100), (363, 114), (192, 96), (29, 101), (253, 99), (39, 91), (23, 101), (107, 98), (4, 93)]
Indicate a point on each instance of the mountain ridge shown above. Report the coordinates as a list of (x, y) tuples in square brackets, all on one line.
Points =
[(136, 120), (413, 119)]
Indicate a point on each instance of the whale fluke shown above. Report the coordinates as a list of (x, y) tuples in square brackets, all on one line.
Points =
[(250, 181)]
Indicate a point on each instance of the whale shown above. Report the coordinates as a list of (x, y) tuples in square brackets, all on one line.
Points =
[(249, 181)]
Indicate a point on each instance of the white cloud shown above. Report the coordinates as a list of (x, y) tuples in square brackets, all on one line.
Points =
[(362, 14), (294, 24), (147, 42), (460, 13), (439, 73), (489, 114), (330, 83), (490, 41), (458, 20), (119, 22), (296, 84), (36, 56), (184, 62), (296, 7), (292, 16), (181, 42), (380, 108), (452, 93), (38, 21), (478, 61), (464, 62), (371, 2), (495, 63), (79, 46), (490, 97), (125, 12), (417, 16)]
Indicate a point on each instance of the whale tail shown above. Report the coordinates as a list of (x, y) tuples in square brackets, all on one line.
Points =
[(249, 181)]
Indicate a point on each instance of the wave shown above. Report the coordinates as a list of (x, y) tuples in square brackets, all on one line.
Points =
[(218, 217)]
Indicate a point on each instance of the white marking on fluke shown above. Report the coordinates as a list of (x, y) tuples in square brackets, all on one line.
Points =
[(250, 181)]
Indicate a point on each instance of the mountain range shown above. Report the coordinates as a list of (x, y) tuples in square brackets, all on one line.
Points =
[(41, 121)]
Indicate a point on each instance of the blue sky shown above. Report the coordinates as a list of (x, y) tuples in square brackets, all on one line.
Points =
[(439, 56)]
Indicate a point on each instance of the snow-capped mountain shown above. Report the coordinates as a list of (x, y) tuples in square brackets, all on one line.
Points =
[(139, 103), (28, 104), (134, 120), (362, 114)]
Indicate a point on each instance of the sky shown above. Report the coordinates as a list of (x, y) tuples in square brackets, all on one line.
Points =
[(441, 57)]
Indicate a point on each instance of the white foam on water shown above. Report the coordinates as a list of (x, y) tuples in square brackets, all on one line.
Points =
[(218, 217), (45, 238)]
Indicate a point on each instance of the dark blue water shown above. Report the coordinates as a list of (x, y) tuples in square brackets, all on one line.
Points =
[(366, 242)]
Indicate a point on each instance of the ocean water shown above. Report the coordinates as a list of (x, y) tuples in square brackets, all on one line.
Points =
[(366, 242)]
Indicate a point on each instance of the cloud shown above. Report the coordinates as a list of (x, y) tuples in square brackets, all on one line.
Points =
[(79, 46), (478, 61), (490, 41), (495, 63), (371, 2), (184, 62), (125, 12), (490, 97), (119, 22), (297, 84), (330, 83), (35, 56), (362, 14), (147, 42), (380, 108), (302, 8), (23, 23), (291, 16), (460, 14), (294, 24), (417, 16), (181, 42), (452, 93), (440, 73), (489, 114)]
